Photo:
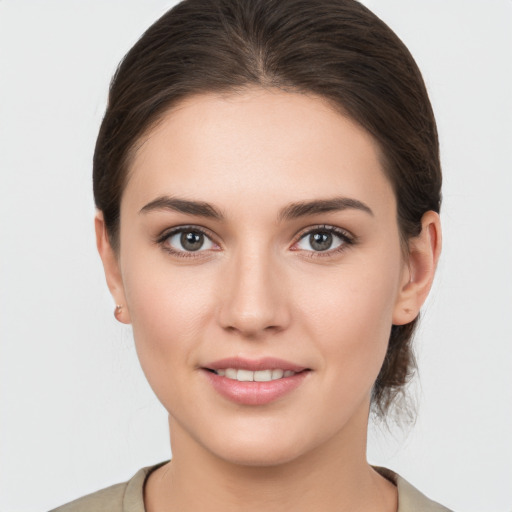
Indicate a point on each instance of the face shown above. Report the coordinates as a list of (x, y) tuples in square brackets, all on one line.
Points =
[(259, 241)]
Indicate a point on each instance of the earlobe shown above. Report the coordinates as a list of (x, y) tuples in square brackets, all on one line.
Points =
[(424, 252), (111, 267)]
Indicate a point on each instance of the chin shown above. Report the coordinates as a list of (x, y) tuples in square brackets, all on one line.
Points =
[(257, 448), (259, 456)]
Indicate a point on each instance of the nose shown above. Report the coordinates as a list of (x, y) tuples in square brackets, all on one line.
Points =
[(253, 296)]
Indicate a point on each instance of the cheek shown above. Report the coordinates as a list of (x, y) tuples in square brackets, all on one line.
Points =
[(168, 307), (349, 314)]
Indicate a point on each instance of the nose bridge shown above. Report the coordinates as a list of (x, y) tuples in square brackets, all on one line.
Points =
[(253, 302)]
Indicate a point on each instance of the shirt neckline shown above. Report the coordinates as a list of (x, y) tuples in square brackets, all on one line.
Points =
[(409, 498)]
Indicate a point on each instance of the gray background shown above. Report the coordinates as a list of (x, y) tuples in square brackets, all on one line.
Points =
[(76, 413)]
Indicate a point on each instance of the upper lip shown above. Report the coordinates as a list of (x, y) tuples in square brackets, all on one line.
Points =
[(265, 363)]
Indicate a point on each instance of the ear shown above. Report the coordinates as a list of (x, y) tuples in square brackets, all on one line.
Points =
[(424, 251), (111, 267)]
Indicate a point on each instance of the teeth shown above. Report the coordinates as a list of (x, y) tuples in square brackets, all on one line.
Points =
[(258, 376), (230, 373), (245, 376), (277, 374), (263, 376)]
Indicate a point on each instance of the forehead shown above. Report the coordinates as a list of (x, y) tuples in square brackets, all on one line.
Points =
[(256, 142)]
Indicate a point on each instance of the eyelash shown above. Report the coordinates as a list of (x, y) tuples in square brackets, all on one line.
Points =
[(182, 229), (346, 238)]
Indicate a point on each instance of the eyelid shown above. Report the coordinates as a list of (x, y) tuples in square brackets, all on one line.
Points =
[(346, 236), (169, 232)]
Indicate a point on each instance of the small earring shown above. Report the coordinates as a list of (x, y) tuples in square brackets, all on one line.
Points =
[(117, 311)]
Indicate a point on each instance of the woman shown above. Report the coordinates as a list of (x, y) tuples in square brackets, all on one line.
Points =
[(267, 180)]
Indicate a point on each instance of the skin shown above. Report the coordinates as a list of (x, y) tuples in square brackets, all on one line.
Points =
[(260, 289)]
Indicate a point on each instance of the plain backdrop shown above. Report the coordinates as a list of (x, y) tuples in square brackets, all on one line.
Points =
[(76, 413)]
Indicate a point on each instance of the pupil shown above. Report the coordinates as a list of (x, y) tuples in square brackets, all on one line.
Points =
[(320, 241), (191, 241)]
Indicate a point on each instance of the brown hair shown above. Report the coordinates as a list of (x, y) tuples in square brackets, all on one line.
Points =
[(336, 49)]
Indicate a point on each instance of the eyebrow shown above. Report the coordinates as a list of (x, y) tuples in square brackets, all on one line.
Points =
[(198, 208), (291, 211), (302, 209)]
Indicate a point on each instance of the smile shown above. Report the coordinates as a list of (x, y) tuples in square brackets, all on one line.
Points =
[(254, 382), (254, 376)]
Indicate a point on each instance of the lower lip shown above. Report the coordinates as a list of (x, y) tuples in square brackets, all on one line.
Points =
[(255, 393)]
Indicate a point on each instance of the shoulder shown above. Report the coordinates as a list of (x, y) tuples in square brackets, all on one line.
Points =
[(110, 498), (123, 497), (412, 500), (409, 498)]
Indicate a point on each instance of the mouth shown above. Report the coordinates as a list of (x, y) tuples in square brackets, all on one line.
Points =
[(253, 376), (257, 382)]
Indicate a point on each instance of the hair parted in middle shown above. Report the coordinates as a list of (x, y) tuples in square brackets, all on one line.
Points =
[(334, 49)]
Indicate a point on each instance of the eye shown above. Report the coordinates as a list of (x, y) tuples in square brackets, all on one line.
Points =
[(186, 240), (323, 239)]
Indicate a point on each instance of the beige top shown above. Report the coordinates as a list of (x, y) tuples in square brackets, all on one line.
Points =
[(129, 496)]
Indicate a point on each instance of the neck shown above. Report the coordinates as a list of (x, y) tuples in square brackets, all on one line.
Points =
[(333, 477)]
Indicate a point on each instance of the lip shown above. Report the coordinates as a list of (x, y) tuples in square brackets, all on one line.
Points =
[(254, 393), (265, 363)]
